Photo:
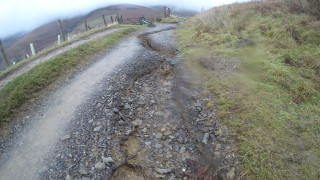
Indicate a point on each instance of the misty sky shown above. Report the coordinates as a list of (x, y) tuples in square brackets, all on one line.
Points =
[(25, 15)]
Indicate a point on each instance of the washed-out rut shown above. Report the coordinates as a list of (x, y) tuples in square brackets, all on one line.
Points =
[(24, 156), (29, 65)]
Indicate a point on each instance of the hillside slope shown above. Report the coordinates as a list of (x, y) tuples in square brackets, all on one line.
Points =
[(46, 35), (261, 64)]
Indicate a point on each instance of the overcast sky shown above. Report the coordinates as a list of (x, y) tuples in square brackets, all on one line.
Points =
[(25, 15)]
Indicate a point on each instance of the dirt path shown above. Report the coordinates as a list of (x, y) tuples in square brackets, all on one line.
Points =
[(133, 114), (33, 63), (22, 156)]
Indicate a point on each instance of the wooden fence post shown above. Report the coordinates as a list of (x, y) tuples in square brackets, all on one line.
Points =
[(4, 54), (61, 30), (121, 20), (85, 24), (58, 39), (111, 19), (104, 20), (164, 11), (32, 49)]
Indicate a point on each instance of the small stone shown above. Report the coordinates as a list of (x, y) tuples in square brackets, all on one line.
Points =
[(144, 130), (163, 171), (68, 177), (100, 166), (152, 102), (158, 146), (128, 132), (108, 160), (158, 135), (205, 138), (183, 149), (166, 133), (231, 174), (158, 176), (148, 143), (127, 107), (66, 137), (173, 177), (172, 137), (218, 146), (163, 129), (115, 110), (169, 155), (136, 122), (97, 129), (83, 170), (159, 113)]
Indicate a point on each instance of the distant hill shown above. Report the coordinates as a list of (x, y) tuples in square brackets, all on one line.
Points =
[(17, 46)]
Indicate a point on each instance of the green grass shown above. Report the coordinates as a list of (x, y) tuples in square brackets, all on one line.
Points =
[(28, 85), (272, 104)]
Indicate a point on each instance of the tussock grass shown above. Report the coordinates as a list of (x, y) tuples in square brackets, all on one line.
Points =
[(272, 104), (28, 85)]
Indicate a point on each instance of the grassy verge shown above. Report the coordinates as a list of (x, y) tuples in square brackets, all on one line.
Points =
[(46, 51), (272, 103), (26, 86)]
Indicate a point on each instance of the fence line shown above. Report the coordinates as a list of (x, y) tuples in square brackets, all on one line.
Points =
[(25, 52)]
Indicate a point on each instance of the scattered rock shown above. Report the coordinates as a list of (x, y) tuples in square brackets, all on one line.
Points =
[(66, 137), (158, 135), (136, 122), (158, 146), (148, 143), (97, 129), (159, 113), (144, 130), (127, 107), (163, 171), (156, 175), (128, 132), (205, 138), (68, 177), (231, 173), (99, 166), (166, 133), (108, 160), (83, 170), (183, 149)]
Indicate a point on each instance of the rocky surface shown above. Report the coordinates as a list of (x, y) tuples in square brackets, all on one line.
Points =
[(147, 121)]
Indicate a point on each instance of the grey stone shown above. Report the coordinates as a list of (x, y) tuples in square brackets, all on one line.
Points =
[(205, 138), (163, 171), (127, 107), (158, 146), (68, 177), (166, 133), (148, 143), (218, 146), (128, 132), (66, 137), (158, 135), (183, 149), (83, 170), (156, 175), (159, 113), (231, 173), (99, 166), (172, 137), (136, 122), (96, 129), (108, 160), (144, 130)]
